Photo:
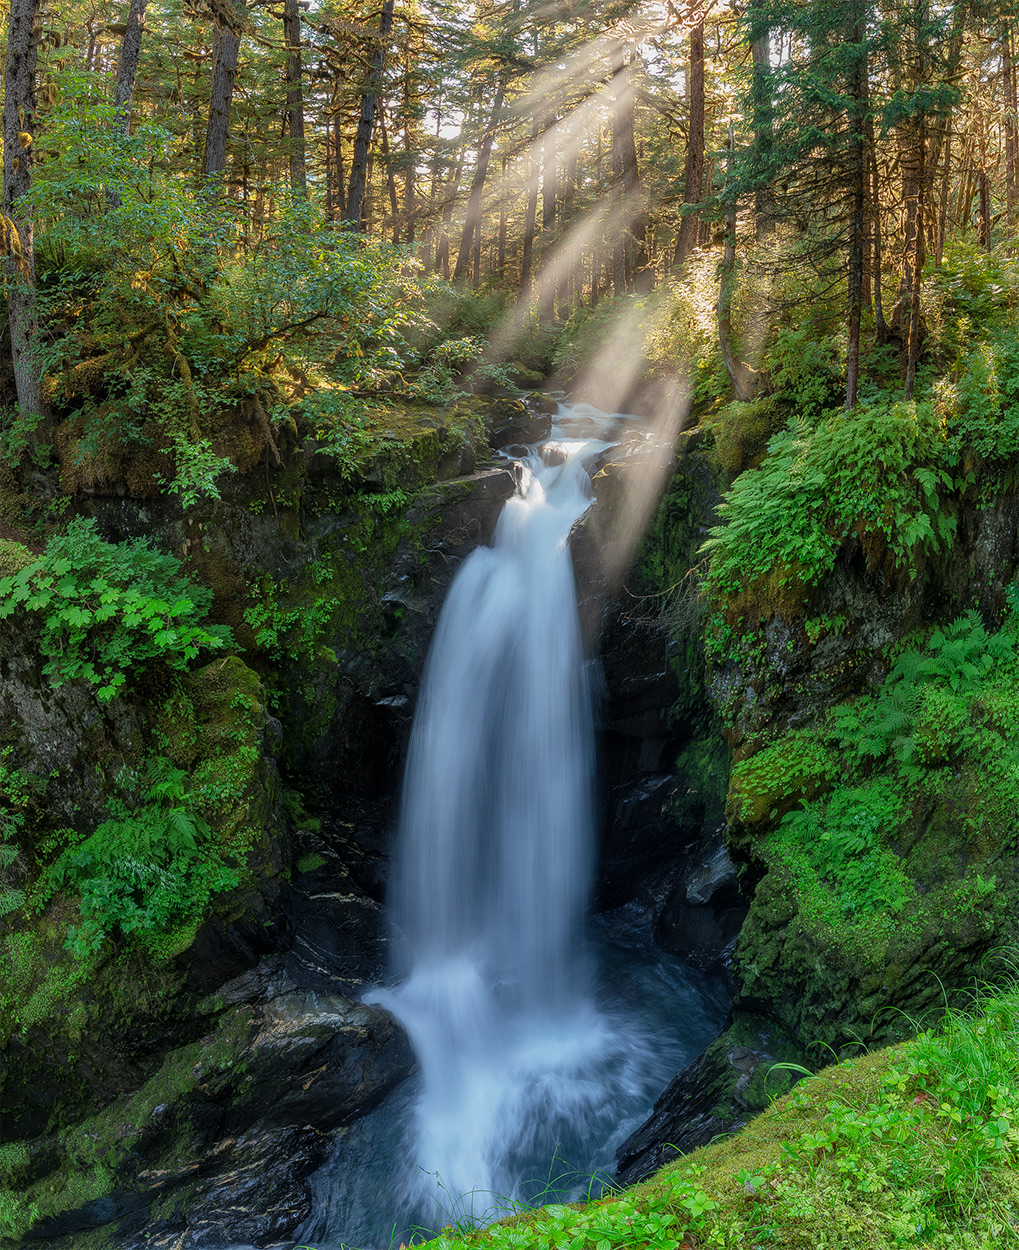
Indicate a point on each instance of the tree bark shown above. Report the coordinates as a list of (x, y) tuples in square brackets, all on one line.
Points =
[(366, 122), (387, 156), (984, 225), (549, 181), (408, 155), (472, 220), (1010, 124), (880, 324), (857, 218), (739, 375), (19, 127), (503, 220), (127, 63), (693, 190), (295, 97), (226, 44), (919, 255), (763, 110), (946, 180), (530, 215), (624, 170)]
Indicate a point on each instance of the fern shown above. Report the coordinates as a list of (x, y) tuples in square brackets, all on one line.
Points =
[(876, 476), (151, 865)]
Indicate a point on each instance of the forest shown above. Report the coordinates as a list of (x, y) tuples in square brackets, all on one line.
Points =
[(302, 298)]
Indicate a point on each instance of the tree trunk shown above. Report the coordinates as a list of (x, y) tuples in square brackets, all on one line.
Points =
[(880, 324), (857, 219), (127, 63), (763, 114), (408, 156), (549, 180), (226, 44), (387, 156), (503, 220), (984, 227), (1011, 126), (366, 122), (472, 220), (19, 126), (693, 191), (442, 248), (295, 96), (531, 215), (946, 180), (624, 170), (919, 255), (569, 259), (739, 375)]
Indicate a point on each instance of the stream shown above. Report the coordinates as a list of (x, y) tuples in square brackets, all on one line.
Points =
[(542, 1037)]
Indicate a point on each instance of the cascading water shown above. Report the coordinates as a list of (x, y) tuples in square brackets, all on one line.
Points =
[(533, 1064), (495, 847)]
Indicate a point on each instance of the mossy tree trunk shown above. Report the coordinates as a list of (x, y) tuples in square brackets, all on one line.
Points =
[(19, 126)]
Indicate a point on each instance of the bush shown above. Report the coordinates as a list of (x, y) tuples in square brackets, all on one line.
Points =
[(877, 475), (150, 866), (109, 608)]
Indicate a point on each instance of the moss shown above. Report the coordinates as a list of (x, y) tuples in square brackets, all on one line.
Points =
[(90, 1159), (741, 431), (14, 557), (311, 861), (57, 1007)]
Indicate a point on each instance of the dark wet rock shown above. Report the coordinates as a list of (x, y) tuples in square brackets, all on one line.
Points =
[(724, 1088), (317, 1061), (256, 1196), (513, 421), (641, 836), (701, 916), (216, 1147)]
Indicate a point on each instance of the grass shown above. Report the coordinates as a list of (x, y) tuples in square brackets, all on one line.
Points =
[(915, 1145)]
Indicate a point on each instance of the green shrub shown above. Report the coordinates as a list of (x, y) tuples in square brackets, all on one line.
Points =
[(924, 708), (108, 608), (873, 475), (150, 866), (843, 838)]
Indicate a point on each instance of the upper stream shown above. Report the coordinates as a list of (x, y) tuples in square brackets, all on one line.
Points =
[(542, 1041)]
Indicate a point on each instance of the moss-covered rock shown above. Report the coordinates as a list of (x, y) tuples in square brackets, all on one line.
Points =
[(266, 1081), (80, 1027)]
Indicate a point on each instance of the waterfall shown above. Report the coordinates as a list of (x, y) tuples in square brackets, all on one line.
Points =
[(494, 851), (539, 1050)]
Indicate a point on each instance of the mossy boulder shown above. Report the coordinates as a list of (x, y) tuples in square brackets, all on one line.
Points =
[(80, 1028), (242, 1110)]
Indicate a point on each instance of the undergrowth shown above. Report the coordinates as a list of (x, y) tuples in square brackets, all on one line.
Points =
[(847, 805), (153, 863), (106, 609)]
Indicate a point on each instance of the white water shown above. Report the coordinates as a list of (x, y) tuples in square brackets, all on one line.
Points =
[(536, 1058), (494, 856)]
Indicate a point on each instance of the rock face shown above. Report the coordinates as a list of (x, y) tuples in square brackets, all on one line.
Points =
[(78, 1033), (777, 676), (717, 1094), (662, 760), (804, 982), (228, 1127)]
